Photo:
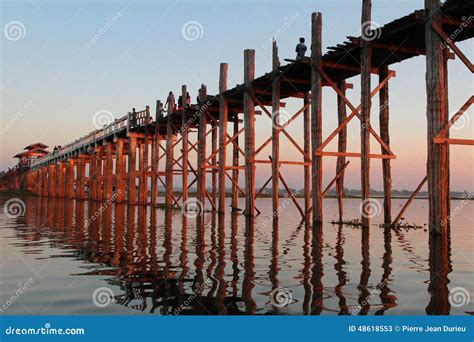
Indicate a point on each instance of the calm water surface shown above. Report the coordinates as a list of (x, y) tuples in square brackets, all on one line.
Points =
[(154, 261)]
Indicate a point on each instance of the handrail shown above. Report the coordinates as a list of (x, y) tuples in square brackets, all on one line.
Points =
[(136, 119)]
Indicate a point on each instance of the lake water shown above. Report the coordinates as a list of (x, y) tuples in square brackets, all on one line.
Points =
[(75, 257)]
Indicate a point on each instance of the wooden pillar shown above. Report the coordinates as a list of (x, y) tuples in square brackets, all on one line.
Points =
[(385, 136), (120, 171), (341, 147), (44, 175), (249, 124), (141, 173), (316, 116), (132, 174), (39, 181), (223, 112), (144, 161), (201, 155), (108, 171), (185, 145), (214, 163), (92, 176), (61, 179), (366, 63), (81, 174), (70, 178), (155, 154), (170, 139), (437, 117), (307, 157), (235, 164), (275, 129), (51, 180), (99, 159)]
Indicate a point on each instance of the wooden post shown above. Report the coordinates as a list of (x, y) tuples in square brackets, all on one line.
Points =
[(223, 112), (141, 172), (185, 145), (316, 116), (80, 175), (275, 129), (120, 171), (144, 161), (366, 63), (108, 171), (385, 136), (307, 157), (70, 178), (437, 117), (99, 189), (155, 155), (201, 155), (214, 162), (169, 152), (249, 123), (132, 163), (341, 147), (235, 164), (51, 181), (60, 176), (44, 174)]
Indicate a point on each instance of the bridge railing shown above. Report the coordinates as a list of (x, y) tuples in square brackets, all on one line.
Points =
[(127, 122)]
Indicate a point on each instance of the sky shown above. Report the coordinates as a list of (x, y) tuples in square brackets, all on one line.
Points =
[(71, 59)]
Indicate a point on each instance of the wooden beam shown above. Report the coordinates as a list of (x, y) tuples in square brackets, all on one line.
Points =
[(437, 117), (223, 114), (408, 202), (249, 123), (275, 130), (366, 103), (316, 116), (385, 135)]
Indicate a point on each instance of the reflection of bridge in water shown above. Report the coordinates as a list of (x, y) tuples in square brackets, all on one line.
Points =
[(180, 268)]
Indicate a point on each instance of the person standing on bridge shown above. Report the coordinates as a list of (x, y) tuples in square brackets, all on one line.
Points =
[(300, 49)]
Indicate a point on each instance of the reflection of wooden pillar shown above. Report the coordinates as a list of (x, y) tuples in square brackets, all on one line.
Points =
[(316, 116), (275, 130), (366, 63), (132, 161), (341, 147), (249, 123), (170, 140), (70, 178), (201, 155), (108, 171), (120, 171), (307, 157), (384, 135), (223, 113), (185, 146), (235, 164), (437, 117)]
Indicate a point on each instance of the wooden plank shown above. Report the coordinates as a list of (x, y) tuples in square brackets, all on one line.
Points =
[(223, 114), (249, 123), (316, 116)]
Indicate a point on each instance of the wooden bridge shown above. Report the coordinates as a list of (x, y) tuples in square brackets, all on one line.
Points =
[(124, 160)]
